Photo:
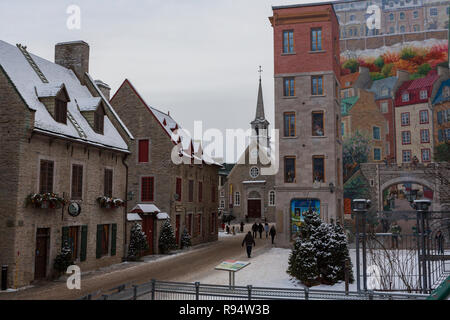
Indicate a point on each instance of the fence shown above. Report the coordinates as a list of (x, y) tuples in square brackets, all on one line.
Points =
[(163, 290), (402, 250)]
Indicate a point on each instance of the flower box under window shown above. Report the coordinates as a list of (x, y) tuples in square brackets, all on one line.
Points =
[(110, 203), (45, 201)]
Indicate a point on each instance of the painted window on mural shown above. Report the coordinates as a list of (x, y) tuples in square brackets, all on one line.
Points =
[(237, 198), (271, 198), (316, 85), (377, 154), (406, 155), (406, 137), (298, 208), (288, 41), (424, 136), (289, 124), (316, 39), (376, 133), (424, 116), (405, 119), (289, 87), (289, 169), (317, 124), (318, 169), (426, 155)]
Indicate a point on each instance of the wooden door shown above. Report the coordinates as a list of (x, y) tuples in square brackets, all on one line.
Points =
[(147, 227), (41, 257), (254, 208), (177, 229)]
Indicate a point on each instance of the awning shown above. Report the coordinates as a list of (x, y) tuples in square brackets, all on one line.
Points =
[(145, 208), (162, 216), (133, 217)]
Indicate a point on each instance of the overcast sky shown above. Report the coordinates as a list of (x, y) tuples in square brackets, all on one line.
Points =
[(196, 58)]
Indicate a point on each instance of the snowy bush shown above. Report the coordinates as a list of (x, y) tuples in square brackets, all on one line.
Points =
[(64, 259), (138, 242), (319, 253), (185, 239), (167, 240)]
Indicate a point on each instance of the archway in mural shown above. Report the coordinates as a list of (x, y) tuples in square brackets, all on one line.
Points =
[(399, 197), (298, 208)]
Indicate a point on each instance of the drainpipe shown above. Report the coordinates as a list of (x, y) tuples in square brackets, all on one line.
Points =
[(126, 208)]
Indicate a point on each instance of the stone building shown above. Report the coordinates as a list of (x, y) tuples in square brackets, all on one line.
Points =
[(362, 114), (436, 14), (384, 91), (186, 193), (441, 114), (352, 18), (413, 120), (400, 16), (62, 165), (247, 194), (307, 115), (350, 83)]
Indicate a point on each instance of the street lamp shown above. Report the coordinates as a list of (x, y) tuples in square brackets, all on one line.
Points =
[(360, 207), (422, 206)]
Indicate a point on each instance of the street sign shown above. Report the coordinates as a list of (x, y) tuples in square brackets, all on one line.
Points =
[(232, 266)]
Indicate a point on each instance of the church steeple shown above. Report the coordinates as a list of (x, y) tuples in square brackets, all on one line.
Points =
[(260, 123)]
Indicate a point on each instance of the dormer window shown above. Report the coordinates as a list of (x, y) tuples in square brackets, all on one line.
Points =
[(423, 94), (61, 111), (99, 119), (405, 97)]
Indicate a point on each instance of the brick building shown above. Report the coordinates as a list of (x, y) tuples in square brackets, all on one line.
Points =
[(246, 192), (307, 114), (400, 16), (186, 193), (63, 149)]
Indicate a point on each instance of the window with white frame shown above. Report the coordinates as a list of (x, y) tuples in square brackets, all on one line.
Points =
[(237, 198), (423, 116), (406, 155), (222, 193), (424, 136), (405, 119), (405, 97), (426, 155), (222, 204), (406, 137), (384, 107), (254, 172), (423, 94), (272, 198)]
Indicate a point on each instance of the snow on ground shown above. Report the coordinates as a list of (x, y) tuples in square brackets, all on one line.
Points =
[(268, 269)]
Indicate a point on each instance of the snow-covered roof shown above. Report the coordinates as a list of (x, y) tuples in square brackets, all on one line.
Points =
[(133, 217), (254, 181), (162, 216), (145, 208), (88, 104), (31, 86)]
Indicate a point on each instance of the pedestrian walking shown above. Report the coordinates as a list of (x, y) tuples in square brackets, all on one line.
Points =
[(254, 229), (439, 242), (242, 226), (395, 230), (272, 232), (228, 230), (260, 230), (233, 231), (266, 228), (249, 242)]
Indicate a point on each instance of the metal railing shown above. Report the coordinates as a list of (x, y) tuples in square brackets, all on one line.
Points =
[(164, 290)]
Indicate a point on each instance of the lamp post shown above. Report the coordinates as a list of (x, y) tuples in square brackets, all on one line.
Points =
[(360, 208), (422, 207)]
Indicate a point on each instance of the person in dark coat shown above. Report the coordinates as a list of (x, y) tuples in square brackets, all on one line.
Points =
[(254, 229), (439, 242), (260, 229), (242, 226), (272, 232), (249, 242)]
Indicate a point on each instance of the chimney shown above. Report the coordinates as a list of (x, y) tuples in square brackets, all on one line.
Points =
[(73, 55), (104, 88), (442, 71), (402, 75)]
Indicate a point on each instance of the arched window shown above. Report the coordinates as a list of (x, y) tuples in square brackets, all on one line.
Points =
[(271, 198)]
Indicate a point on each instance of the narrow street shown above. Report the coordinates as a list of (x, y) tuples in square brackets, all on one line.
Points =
[(185, 267)]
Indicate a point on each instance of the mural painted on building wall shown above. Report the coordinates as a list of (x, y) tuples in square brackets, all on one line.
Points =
[(298, 208)]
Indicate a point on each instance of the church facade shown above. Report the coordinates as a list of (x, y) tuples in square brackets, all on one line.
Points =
[(246, 193)]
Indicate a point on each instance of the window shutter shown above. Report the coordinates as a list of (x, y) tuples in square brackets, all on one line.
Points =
[(83, 243), (99, 241), (65, 235), (113, 239), (143, 150)]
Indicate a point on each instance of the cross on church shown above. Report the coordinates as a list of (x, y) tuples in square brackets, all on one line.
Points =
[(260, 70)]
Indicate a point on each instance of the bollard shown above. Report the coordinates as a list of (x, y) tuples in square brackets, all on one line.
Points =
[(135, 287), (249, 288), (4, 277), (197, 290), (347, 276), (153, 288)]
